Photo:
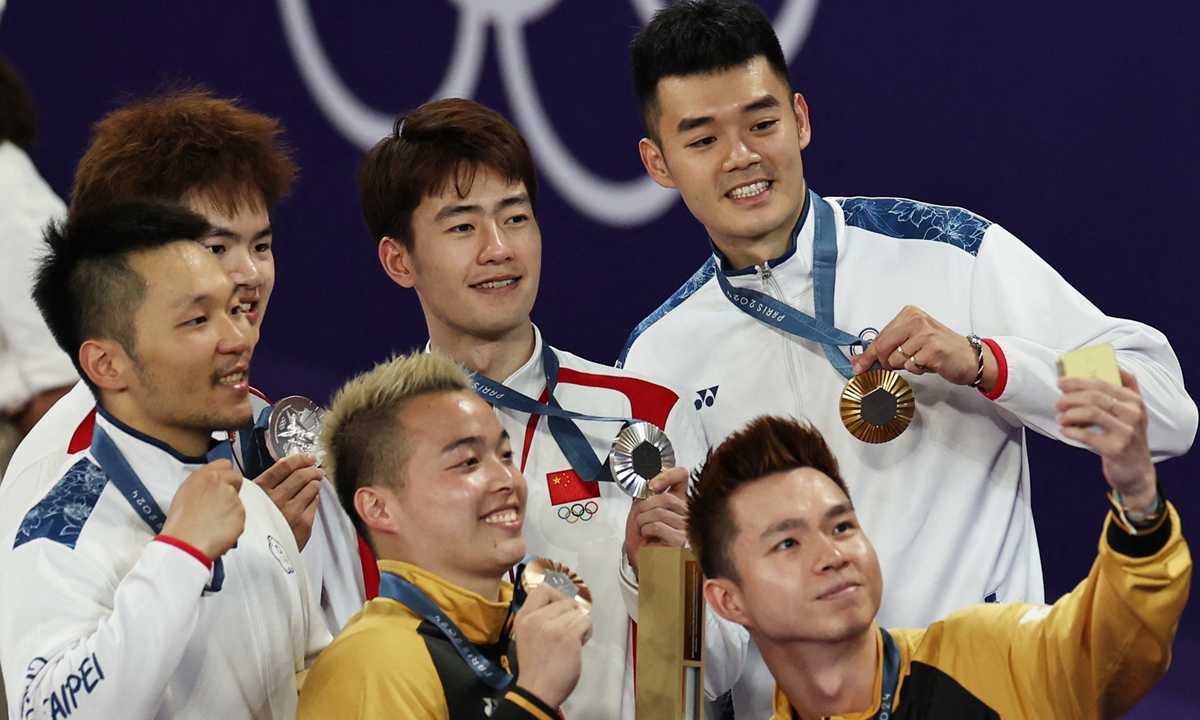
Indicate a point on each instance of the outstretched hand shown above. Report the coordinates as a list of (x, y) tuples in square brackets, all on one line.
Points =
[(1112, 421)]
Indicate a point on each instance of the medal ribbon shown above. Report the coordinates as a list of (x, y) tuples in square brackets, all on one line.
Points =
[(401, 590), (891, 675), (780, 315), (563, 429), (123, 477)]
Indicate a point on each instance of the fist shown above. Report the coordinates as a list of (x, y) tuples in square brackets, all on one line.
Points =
[(550, 632), (294, 484), (207, 512), (660, 519)]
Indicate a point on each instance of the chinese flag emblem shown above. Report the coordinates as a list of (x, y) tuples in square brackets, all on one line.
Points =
[(566, 486)]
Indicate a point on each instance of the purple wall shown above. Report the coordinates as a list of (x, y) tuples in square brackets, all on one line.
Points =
[(1071, 123)]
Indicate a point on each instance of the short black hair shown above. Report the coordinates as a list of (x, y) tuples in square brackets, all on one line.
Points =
[(699, 36), (766, 446), (18, 121), (85, 287)]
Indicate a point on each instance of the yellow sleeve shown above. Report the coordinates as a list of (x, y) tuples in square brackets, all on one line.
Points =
[(373, 674), (1093, 654)]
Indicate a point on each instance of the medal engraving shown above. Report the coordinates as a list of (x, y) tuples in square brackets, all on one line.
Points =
[(559, 577), (877, 406), (640, 452), (294, 427)]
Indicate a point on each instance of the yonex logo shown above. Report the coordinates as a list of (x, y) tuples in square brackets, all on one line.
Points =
[(707, 397)]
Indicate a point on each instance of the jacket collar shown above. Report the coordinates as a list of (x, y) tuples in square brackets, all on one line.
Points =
[(482, 622)]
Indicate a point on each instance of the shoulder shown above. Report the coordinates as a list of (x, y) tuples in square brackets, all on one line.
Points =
[(62, 513), (648, 400), (906, 219), (681, 296)]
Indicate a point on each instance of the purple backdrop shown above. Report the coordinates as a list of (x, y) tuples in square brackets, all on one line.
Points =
[(1071, 123)]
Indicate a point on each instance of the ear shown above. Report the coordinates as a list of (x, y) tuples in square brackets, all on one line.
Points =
[(803, 128), (655, 162), (723, 596), (397, 262), (373, 506), (106, 364)]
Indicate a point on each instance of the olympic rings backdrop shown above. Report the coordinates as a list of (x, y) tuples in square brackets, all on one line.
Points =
[(1071, 122)]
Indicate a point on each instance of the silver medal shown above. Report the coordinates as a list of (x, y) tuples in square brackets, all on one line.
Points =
[(640, 452), (295, 427)]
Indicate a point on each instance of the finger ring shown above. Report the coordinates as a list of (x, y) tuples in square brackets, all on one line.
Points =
[(918, 365), (1112, 404), (900, 349)]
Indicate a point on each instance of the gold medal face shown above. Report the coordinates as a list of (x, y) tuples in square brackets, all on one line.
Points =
[(877, 406)]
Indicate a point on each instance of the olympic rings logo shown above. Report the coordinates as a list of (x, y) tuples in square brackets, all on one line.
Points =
[(578, 511), (628, 203)]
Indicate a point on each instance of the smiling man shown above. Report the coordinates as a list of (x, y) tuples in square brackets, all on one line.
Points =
[(969, 316), (426, 469), (231, 166), (785, 555), (150, 581), (450, 198)]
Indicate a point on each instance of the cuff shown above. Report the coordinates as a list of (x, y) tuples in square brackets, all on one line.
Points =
[(187, 548), (1139, 546), (1001, 370), (528, 702)]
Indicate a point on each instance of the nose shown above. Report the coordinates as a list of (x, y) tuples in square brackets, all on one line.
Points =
[(830, 556), (241, 267), (741, 156), (494, 246), (237, 335)]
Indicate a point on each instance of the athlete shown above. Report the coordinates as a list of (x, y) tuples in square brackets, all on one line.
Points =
[(450, 198), (150, 580), (965, 312), (229, 165), (426, 467), (777, 534)]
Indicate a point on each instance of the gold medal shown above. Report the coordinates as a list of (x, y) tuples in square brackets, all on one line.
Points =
[(559, 577), (877, 406)]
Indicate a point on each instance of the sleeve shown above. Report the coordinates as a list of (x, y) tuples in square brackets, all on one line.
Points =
[(333, 561), (40, 363), (76, 641), (1094, 653), (1052, 317)]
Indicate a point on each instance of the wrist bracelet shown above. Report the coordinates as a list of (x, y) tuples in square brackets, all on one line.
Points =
[(1138, 523), (977, 344)]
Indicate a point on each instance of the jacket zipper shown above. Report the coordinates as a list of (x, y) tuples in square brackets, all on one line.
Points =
[(772, 288)]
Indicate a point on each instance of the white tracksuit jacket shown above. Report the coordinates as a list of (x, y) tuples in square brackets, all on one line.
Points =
[(947, 504), (331, 555), (582, 525), (97, 620)]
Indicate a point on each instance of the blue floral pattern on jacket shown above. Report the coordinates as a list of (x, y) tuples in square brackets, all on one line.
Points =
[(912, 220), (60, 515)]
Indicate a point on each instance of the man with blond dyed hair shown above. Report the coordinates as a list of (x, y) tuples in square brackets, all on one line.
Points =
[(231, 166), (426, 470)]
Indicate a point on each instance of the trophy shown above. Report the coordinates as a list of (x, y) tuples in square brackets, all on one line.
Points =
[(670, 649), (294, 427)]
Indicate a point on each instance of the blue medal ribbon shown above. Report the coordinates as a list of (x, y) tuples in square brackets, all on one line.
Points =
[(782, 316), (403, 591), (123, 477), (563, 429), (891, 675)]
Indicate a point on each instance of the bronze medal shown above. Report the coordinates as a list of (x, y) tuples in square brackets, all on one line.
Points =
[(559, 577), (877, 406)]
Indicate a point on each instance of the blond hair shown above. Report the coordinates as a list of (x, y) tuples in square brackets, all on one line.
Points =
[(362, 437)]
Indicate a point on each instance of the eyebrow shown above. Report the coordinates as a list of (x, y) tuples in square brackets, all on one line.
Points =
[(471, 440), (763, 103), (452, 210), (799, 523), (221, 231), (202, 298)]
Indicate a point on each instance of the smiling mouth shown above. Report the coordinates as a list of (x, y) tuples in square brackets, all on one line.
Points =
[(232, 378), (750, 190), (504, 516), (837, 591), (491, 284)]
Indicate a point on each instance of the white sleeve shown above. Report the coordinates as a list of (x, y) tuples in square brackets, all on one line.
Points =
[(333, 561), (76, 642), (1034, 315)]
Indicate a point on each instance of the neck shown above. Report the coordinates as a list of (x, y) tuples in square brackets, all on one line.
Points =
[(825, 679), (186, 441), (493, 357), (742, 252), (486, 587)]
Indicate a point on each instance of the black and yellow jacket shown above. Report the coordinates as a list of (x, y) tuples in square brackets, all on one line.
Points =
[(388, 662), (1092, 654)]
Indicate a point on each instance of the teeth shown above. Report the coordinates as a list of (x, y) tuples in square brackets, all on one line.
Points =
[(245, 307), (749, 190), (496, 283), (233, 379), (507, 516)]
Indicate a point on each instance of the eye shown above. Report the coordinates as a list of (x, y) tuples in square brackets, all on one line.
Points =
[(786, 543), (517, 219), (263, 246), (764, 125), (197, 321), (845, 526), (216, 249), (462, 229), (703, 142)]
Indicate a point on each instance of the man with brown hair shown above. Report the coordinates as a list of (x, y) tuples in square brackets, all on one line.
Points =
[(231, 166), (450, 199), (785, 556)]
